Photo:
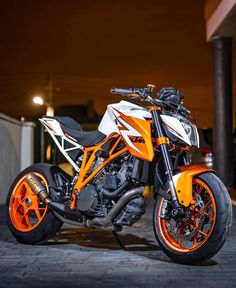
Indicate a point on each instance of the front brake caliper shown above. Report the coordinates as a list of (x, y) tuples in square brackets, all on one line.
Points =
[(165, 210)]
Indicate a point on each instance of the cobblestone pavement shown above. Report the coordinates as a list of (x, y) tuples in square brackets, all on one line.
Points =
[(92, 258)]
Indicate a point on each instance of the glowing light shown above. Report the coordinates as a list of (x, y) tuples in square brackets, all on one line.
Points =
[(38, 100)]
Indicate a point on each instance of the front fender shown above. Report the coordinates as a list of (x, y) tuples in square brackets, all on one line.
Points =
[(183, 181)]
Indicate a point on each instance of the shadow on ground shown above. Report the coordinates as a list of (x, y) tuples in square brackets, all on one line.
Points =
[(104, 239), (137, 240), (101, 239)]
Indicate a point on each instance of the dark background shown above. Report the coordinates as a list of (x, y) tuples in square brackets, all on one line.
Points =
[(90, 46)]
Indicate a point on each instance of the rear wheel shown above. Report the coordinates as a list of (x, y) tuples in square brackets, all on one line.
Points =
[(201, 232), (29, 220)]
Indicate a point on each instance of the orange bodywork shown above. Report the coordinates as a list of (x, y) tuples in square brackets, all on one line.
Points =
[(183, 181), (135, 134), (140, 147)]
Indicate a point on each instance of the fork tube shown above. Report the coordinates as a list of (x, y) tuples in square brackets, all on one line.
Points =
[(165, 155), (186, 158)]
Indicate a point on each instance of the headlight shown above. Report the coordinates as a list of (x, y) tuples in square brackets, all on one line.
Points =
[(191, 131), (180, 130), (187, 128)]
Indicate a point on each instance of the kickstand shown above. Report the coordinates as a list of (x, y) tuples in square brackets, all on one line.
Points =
[(118, 240)]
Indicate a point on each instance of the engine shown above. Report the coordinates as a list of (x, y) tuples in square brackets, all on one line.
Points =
[(98, 197)]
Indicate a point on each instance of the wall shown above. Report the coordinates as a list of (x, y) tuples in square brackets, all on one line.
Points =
[(15, 151)]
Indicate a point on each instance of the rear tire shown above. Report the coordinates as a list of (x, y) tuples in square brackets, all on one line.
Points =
[(30, 221), (213, 240)]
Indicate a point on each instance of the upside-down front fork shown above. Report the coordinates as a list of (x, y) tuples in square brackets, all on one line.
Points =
[(162, 142)]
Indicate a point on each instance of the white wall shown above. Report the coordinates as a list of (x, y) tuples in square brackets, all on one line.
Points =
[(16, 151), (27, 147)]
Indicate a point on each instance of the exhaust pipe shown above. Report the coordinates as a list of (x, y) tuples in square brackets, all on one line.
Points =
[(107, 220), (38, 188)]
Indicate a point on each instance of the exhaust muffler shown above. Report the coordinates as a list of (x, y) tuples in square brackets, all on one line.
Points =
[(38, 188)]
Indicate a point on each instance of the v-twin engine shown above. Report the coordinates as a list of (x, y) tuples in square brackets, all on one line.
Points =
[(99, 197)]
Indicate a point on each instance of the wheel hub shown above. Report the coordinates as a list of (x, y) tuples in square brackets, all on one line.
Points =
[(28, 202)]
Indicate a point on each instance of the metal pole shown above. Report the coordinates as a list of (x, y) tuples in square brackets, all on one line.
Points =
[(222, 81)]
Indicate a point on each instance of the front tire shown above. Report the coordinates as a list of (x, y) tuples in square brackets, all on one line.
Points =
[(201, 235), (29, 220)]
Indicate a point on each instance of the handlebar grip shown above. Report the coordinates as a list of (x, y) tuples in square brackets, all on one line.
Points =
[(122, 91)]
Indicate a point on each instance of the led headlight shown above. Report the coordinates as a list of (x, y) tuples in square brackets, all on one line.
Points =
[(191, 131), (187, 128)]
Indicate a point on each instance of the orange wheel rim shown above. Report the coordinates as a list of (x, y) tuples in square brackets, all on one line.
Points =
[(25, 208), (195, 230)]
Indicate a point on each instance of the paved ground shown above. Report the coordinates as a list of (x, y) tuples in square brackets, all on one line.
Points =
[(88, 258)]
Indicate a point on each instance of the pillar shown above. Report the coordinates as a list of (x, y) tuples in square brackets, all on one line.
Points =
[(222, 89)]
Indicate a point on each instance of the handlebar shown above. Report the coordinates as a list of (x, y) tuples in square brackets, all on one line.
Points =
[(144, 94), (125, 91)]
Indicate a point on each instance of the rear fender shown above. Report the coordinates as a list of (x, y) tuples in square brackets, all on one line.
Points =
[(183, 181)]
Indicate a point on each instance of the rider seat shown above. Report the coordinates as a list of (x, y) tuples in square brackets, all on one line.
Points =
[(74, 129)]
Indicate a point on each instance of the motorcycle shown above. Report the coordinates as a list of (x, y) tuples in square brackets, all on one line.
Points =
[(136, 145)]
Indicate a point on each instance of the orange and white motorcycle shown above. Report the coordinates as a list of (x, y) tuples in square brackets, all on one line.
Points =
[(134, 146)]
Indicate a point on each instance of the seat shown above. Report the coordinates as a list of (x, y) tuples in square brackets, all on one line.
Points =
[(74, 129), (68, 122)]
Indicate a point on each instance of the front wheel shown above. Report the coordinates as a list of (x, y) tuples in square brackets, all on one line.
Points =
[(202, 230)]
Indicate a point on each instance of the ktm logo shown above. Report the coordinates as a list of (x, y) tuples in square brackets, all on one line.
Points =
[(137, 139)]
